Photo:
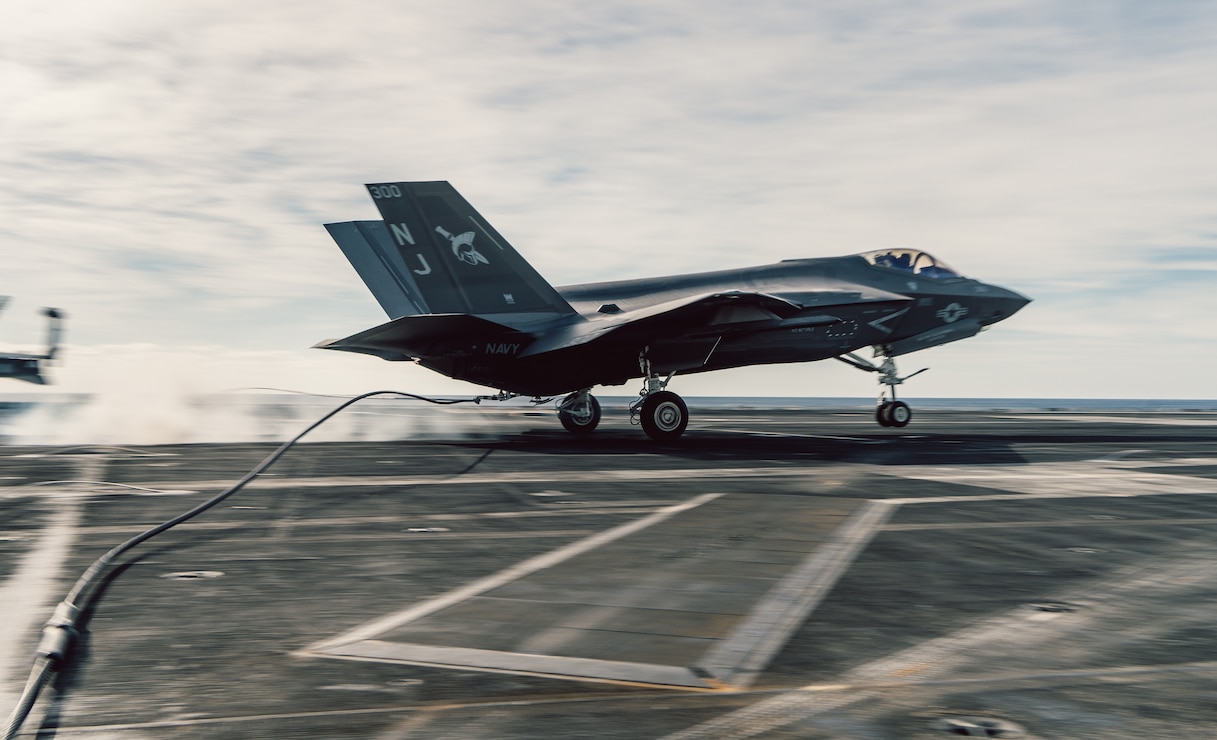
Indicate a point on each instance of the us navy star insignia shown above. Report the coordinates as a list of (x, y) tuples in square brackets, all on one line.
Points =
[(952, 313)]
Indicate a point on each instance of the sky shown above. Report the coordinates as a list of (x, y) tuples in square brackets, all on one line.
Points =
[(166, 168)]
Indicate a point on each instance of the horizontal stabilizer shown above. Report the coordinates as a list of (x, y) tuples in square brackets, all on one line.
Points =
[(419, 336)]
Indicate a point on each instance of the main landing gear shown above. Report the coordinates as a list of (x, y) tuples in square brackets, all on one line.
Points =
[(662, 414), (579, 412), (888, 412)]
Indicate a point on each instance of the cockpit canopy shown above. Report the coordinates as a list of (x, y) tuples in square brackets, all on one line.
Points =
[(910, 260)]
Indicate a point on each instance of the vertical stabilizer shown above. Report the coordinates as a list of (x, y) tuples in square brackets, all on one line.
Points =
[(457, 261)]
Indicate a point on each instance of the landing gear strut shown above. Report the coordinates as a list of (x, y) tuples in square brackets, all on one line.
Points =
[(888, 412), (662, 413), (579, 412)]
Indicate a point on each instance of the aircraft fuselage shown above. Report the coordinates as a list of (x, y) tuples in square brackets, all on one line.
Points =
[(867, 304), (464, 303)]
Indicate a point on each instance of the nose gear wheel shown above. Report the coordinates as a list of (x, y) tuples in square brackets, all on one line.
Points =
[(889, 413), (893, 414)]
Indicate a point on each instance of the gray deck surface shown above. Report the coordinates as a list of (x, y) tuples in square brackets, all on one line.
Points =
[(774, 574)]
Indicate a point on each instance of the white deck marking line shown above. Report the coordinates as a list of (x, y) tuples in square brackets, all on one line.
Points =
[(364, 481), (739, 659), (1178, 421), (515, 572), (1039, 496), (557, 701), (1031, 524), (1020, 627), (565, 701), (550, 513), (28, 595), (972, 475), (1049, 480), (629, 673)]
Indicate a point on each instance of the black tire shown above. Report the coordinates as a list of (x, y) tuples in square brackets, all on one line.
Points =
[(899, 414), (580, 423), (882, 414), (664, 416)]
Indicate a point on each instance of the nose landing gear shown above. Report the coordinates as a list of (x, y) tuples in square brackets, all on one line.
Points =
[(888, 412), (893, 413)]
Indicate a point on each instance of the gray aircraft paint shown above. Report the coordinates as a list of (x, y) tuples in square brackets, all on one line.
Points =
[(459, 263), (463, 302)]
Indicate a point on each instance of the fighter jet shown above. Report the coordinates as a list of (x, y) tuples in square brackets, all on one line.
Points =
[(465, 304), (29, 367)]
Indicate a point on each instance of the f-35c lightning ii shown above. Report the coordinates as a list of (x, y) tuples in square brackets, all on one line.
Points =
[(464, 303), (29, 367)]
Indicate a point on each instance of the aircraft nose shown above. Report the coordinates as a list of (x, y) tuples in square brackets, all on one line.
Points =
[(1004, 303)]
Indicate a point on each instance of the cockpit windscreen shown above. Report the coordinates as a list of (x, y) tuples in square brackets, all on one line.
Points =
[(910, 260)]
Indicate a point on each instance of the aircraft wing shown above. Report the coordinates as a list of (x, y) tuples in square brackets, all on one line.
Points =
[(712, 311), (573, 335), (838, 295)]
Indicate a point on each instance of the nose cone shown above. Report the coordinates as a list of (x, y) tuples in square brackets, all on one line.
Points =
[(1001, 304)]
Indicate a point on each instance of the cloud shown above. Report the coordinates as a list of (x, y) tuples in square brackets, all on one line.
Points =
[(167, 167)]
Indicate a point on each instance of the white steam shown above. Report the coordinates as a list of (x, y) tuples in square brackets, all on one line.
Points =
[(151, 419), (145, 395)]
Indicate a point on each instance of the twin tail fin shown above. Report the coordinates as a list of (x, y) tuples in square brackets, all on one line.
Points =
[(435, 254)]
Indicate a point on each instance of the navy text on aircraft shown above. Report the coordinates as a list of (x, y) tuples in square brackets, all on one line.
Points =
[(464, 303)]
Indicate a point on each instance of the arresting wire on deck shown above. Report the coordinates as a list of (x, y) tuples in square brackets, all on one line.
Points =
[(60, 632)]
